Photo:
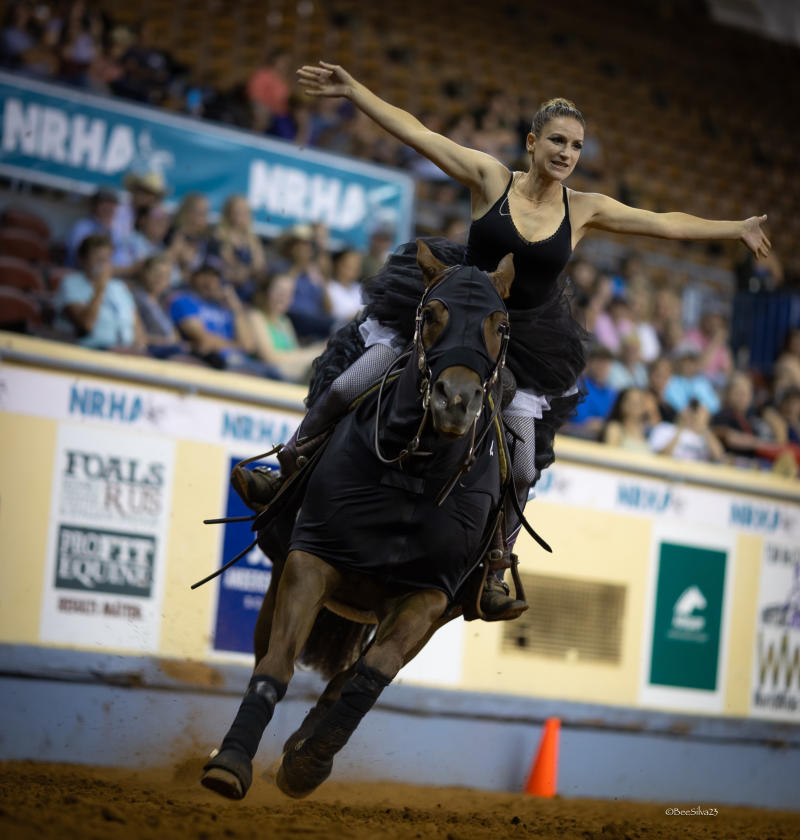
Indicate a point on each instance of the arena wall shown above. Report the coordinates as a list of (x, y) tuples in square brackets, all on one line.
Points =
[(669, 605)]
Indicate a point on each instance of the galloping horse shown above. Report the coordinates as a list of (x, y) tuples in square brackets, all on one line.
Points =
[(396, 515)]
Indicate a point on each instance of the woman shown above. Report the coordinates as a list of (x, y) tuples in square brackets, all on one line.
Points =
[(275, 339), (242, 254), (190, 240), (627, 424), (530, 214), (145, 240), (163, 339)]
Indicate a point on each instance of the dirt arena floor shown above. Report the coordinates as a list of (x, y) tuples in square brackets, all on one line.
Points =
[(62, 802)]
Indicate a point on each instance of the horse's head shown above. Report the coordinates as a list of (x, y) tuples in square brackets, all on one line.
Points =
[(462, 330)]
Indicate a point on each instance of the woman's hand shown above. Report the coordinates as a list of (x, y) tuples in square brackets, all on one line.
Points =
[(325, 80), (755, 238)]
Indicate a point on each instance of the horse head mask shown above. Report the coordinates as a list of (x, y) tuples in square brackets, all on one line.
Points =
[(460, 338)]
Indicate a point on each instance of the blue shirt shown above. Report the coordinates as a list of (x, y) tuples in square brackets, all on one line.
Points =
[(598, 402), (114, 326), (215, 319), (680, 390)]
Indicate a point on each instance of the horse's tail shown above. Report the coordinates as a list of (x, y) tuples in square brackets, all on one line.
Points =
[(334, 644)]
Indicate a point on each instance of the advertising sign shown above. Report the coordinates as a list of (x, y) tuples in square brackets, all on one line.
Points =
[(106, 548), (775, 690), (691, 576), (241, 589), (64, 138)]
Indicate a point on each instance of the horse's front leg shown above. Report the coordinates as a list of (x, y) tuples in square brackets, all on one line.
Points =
[(401, 633), (305, 584)]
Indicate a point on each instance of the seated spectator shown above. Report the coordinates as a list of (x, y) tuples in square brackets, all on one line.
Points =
[(789, 409), (310, 309), (145, 240), (15, 36), (190, 241), (711, 340), (102, 207), (614, 323), (688, 383), (147, 70), (243, 261), (658, 375), (594, 304), (626, 426), (143, 191), (641, 307), (738, 424), (268, 90), (214, 322), (592, 413), (691, 439), (628, 371), (275, 339), (380, 246), (95, 306), (344, 289), (80, 43), (162, 337)]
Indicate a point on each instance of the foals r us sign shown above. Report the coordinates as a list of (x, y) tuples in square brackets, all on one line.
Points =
[(106, 547)]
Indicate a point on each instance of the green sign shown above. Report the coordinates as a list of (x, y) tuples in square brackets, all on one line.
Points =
[(688, 617)]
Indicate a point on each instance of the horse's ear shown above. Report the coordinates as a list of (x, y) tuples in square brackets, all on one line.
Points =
[(431, 267), (503, 275)]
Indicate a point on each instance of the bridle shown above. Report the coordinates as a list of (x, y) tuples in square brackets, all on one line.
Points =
[(424, 386)]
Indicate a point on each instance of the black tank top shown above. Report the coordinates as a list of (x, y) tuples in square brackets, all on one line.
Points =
[(537, 265)]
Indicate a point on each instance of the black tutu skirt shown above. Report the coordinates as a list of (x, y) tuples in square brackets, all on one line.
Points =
[(546, 352)]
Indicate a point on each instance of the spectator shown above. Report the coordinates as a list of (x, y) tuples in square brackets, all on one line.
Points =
[(144, 190), (190, 241), (789, 410), (380, 245), (344, 289), (738, 424), (275, 339), (658, 375), (614, 323), (691, 439), (688, 383), (268, 90), (80, 43), (592, 413), (106, 67), (310, 309), (641, 307), (102, 207), (214, 322), (626, 426), (94, 305), (711, 339), (598, 298), (147, 71), (628, 371), (153, 281), (146, 240), (243, 260), (16, 37)]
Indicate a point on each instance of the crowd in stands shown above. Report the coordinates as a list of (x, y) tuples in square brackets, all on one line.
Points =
[(133, 276), (138, 279)]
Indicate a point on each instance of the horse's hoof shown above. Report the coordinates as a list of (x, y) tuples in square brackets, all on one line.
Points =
[(229, 773), (301, 773)]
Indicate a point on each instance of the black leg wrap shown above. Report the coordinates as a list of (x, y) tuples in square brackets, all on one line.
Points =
[(254, 714), (305, 767)]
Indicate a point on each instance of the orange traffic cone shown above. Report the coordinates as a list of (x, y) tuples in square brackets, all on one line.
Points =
[(543, 778)]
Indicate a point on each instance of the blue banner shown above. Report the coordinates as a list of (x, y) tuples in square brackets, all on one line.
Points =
[(242, 587), (67, 139)]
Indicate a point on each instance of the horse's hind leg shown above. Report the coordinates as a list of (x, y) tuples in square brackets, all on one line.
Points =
[(304, 585), (400, 634)]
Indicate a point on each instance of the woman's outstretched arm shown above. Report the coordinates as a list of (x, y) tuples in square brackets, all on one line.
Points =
[(470, 167), (603, 213)]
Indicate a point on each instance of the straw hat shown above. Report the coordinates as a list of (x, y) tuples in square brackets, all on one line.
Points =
[(152, 182)]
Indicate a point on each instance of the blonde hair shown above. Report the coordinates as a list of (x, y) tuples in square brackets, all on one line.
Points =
[(553, 108)]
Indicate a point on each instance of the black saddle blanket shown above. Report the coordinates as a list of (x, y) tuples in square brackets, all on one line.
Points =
[(383, 521)]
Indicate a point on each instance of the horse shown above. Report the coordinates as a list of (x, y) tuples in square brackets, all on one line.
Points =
[(396, 513)]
